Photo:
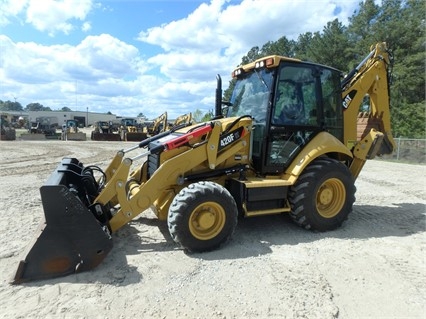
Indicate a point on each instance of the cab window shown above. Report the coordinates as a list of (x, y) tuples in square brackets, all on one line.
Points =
[(295, 100)]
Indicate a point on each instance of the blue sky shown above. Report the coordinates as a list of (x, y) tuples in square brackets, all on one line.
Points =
[(141, 56)]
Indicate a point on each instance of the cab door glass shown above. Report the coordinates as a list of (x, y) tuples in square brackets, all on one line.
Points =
[(295, 100), (294, 117), (331, 101)]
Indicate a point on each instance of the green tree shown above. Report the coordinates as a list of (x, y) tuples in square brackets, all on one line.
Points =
[(302, 46), (66, 109), (37, 107), (330, 47), (141, 115), (208, 116), (251, 56), (409, 121), (10, 106), (197, 115), (228, 92), (282, 46), (361, 27)]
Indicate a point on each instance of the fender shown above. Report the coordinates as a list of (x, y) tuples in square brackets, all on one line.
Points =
[(321, 144)]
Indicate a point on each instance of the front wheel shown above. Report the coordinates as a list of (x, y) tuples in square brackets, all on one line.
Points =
[(202, 217), (323, 196)]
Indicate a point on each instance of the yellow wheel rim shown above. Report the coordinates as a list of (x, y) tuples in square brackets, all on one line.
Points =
[(207, 220), (331, 197)]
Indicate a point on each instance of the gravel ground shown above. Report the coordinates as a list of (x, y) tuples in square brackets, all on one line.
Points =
[(372, 267)]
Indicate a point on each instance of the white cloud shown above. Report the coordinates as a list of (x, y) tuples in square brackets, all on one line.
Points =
[(49, 16), (189, 33), (10, 9), (106, 56), (191, 66), (53, 16), (238, 27), (86, 26), (98, 66), (215, 36), (105, 73)]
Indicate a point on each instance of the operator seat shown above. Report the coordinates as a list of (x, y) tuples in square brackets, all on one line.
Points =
[(291, 113)]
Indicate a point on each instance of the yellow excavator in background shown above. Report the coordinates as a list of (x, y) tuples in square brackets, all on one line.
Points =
[(157, 125), (181, 119), (286, 142)]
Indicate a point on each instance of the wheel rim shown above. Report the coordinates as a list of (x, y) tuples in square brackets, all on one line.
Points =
[(207, 220), (331, 197)]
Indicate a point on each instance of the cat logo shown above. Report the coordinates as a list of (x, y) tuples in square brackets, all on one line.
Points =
[(348, 99)]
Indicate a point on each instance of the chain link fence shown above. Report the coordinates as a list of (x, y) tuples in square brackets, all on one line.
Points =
[(409, 151)]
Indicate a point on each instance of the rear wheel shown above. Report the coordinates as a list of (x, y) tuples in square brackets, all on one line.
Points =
[(323, 196), (202, 217)]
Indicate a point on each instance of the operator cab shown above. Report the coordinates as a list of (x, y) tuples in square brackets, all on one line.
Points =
[(290, 102)]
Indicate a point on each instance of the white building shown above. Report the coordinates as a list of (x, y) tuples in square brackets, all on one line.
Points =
[(84, 118)]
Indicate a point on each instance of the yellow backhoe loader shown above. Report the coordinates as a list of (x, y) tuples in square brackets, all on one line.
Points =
[(286, 142), (131, 130), (104, 131)]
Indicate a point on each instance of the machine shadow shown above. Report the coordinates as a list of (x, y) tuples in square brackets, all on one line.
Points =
[(256, 236), (115, 269), (253, 237)]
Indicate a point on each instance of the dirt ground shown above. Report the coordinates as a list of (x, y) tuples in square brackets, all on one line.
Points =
[(372, 267)]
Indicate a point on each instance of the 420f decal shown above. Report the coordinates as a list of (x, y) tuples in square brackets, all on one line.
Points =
[(230, 137)]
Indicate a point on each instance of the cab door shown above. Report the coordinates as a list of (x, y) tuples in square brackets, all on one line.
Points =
[(306, 101)]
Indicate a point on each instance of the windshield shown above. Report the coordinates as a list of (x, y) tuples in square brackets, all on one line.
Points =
[(251, 95)]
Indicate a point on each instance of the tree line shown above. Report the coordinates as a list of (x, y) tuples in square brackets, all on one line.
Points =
[(399, 23), (16, 106)]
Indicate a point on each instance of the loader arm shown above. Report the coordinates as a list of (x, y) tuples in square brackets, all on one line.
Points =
[(81, 213), (133, 197), (368, 134)]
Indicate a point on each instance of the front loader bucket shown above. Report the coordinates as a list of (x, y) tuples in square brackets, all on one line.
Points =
[(69, 239), (105, 136)]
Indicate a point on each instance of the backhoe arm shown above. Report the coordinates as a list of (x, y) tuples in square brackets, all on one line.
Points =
[(162, 119), (368, 134)]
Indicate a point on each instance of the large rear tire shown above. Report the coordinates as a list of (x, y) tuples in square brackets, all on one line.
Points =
[(202, 217), (323, 196)]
